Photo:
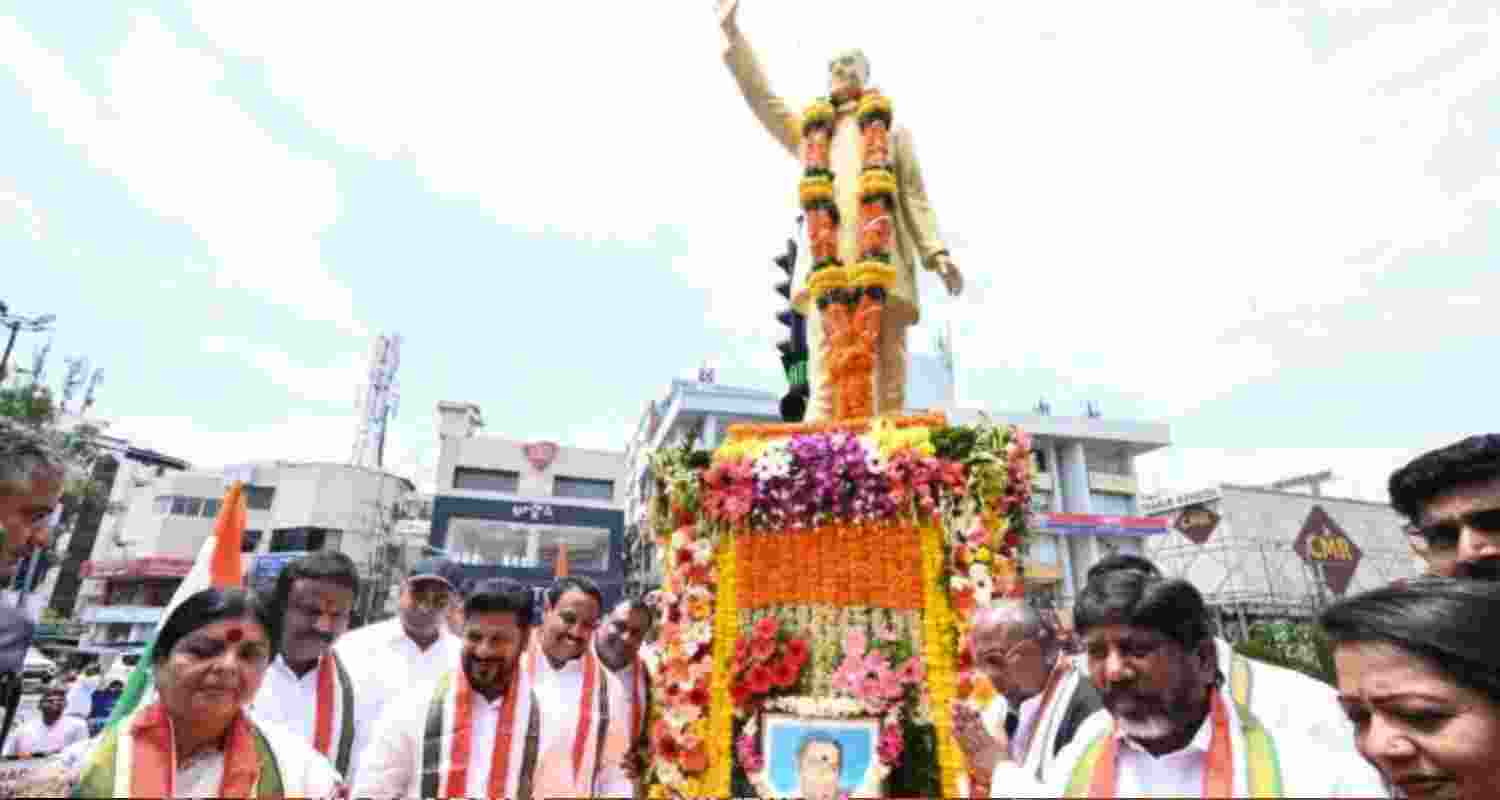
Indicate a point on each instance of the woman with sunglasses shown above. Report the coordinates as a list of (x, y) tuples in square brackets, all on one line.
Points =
[(194, 739), (1419, 676)]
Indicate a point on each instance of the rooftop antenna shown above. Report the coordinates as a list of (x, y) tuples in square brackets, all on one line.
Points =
[(1043, 408), (1092, 410), (945, 348), (78, 368), (88, 395)]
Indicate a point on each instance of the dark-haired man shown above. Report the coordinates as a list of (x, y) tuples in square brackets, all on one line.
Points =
[(618, 645), (477, 731), (413, 648), (307, 688), (1451, 499), (49, 733), (1169, 732), (1279, 697), (585, 735)]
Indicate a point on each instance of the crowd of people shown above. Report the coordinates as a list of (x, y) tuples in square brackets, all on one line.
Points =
[(469, 692)]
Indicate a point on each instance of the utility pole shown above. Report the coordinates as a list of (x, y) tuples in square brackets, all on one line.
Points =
[(18, 323)]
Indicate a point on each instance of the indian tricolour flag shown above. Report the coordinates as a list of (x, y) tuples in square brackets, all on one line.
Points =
[(218, 565)]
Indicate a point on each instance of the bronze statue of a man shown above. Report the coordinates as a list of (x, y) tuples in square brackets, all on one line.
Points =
[(916, 238)]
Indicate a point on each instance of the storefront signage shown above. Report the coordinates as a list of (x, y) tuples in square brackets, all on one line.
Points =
[(540, 454), (1197, 523), (144, 567), (536, 512), (1099, 525), (1157, 505), (1323, 544)]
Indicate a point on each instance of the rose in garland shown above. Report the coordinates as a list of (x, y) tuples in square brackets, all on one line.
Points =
[(767, 661)]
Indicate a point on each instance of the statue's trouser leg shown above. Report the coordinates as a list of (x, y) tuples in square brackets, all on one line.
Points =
[(820, 395), (890, 366)]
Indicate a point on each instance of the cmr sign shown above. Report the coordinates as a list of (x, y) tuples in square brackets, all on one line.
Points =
[(1325, 545)]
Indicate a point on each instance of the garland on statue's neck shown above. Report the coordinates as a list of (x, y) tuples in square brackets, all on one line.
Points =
[(849, 298)]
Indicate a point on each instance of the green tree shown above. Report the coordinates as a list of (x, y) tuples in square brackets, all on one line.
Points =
[(1295, 645)]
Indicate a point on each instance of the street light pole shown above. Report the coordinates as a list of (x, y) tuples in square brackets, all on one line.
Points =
[(16, 323)]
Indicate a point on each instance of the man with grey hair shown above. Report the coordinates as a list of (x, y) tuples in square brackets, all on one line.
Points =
[(908, 219), (31, 486), (1043, 697)]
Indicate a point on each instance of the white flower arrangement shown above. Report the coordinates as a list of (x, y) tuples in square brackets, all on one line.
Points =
[(984, 585)]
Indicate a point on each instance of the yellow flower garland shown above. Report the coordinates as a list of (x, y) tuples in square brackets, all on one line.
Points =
[(938, 642), (720, 742)]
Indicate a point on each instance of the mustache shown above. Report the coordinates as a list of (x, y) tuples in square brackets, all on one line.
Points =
[(1485, 569)]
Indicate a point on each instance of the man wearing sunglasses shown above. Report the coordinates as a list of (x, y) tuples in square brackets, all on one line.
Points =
[(412, 649), (1451, 496)]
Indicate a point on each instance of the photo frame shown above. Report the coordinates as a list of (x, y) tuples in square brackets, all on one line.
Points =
[(790, 741)]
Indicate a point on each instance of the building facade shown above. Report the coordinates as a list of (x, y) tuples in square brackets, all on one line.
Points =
[(1084, 492), (1245, 548), (510, 508), (145, 549)]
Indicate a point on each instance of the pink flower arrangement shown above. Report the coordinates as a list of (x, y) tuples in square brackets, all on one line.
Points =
[(748, 754), (870, 676), (892, 743)]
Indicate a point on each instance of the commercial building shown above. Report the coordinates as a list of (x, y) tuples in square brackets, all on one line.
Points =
[(292, 507), (509, 508), (1261, 554), (1084, 492)]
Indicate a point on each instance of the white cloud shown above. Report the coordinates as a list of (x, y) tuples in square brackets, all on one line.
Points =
[(336, 382), (21, 212), (1162, 183), (188, 152)]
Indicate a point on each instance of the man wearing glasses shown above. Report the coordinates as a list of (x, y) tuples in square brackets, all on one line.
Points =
[(412, 649), (1451, 496), (1043, 698)]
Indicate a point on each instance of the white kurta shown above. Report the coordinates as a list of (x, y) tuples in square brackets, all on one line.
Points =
[(560, 693), (81, 696), (292, 702), (391, 765), (36, 737), (1287, 699), (1307, 768), (385, 663)]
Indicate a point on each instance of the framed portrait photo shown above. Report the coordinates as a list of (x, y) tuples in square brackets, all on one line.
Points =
[(820, 758)]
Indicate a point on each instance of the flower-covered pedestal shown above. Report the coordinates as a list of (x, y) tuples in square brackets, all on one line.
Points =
[(818, 580)]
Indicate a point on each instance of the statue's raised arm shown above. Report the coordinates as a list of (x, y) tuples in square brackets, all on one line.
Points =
[(783, 123)]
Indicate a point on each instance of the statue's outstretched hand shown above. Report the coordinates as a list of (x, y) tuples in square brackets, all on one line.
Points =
[(727, 11), (952, 278)]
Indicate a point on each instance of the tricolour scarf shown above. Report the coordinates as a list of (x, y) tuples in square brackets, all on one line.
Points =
[(1247, 760), (447, 740), (587, 747), (335, 702), (137, 757)]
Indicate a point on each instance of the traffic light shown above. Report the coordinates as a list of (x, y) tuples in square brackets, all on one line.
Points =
[(794, 347)]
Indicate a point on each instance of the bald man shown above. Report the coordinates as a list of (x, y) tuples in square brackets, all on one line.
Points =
[(1043, 699)]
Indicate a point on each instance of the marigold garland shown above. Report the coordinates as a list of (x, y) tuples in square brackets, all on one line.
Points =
[(726, 629), (748, 431), (939, 642)]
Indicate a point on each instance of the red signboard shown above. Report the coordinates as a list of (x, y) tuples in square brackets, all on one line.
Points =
[(540, 454), (1325, 545), (143, 567)]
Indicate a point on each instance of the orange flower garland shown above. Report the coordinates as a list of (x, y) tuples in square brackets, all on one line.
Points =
[(845, 566), (743, 431)]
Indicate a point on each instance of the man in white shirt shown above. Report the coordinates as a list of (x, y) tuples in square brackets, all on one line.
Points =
[(585, 731), (1043, 699), (81, 690), (412, 649), (420, 746), (1169, 732), (307, 688), (1277, 696), (618, 645), (49, 733)]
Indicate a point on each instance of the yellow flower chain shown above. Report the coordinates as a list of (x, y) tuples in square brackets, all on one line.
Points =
[(939, 644), (721, 716)]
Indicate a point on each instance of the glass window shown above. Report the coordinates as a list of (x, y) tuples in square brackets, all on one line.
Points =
[(162, 505), (291, 540), (583, 488), (1114, 505), (487, 480), (259, 498), (180, 505), (211, 507), (249, 541), (475, 540), (1044, 549), (1041, 501), (194, 506)]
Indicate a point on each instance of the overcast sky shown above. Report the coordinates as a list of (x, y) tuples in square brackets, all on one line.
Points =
[(1271, 225)]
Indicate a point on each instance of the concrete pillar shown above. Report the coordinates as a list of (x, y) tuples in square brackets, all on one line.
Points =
[(1073, 478), (710, 432)]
